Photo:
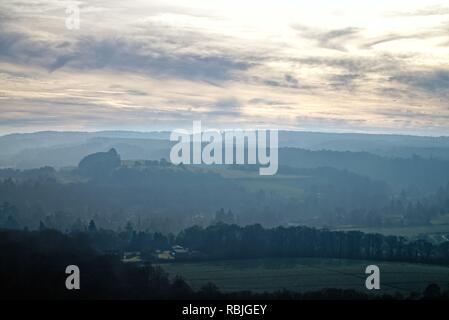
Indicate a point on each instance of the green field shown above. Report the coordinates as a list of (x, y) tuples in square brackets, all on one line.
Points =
[(410, 232), (435, 232), (307, 274), (287, 185)]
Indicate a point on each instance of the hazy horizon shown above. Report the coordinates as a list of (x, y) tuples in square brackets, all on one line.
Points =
[(168, 130)]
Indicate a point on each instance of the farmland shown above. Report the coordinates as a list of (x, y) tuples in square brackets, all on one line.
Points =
[(307, 274), (437, 231)]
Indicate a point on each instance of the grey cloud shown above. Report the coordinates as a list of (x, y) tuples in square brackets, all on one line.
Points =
[(153, 49), (43, 113), (14, 74), (389, 38), (292, 81), (20, 48), (136, 92), (344, 80), (337, 39), (288, 81), (135, 55), (333, 39), (227, 103), (266, 102), (425, 34), (129, 54), (223, 113), (411, 114), (354, 65), (60, 62), (227, 107), (399, 93), (435, 81)]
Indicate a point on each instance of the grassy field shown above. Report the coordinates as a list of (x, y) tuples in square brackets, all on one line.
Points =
[(288, 185), (436, 232), (307, 274), (412, 231)]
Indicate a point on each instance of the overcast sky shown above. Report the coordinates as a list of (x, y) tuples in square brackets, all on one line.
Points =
[(352, 66)]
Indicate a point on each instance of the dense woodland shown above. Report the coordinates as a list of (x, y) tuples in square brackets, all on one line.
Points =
[(233, 242), (223, 241), (157, 196)]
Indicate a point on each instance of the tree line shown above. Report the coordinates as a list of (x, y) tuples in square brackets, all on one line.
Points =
[(32, 265), (230, 241)]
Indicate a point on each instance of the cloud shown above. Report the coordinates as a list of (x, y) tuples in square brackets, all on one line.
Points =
[(433, 10), (227, 103), (329, 39), (288, 81), (135, 63), (389, 38), (354, 64), (118, 53), (408, 113), (261, 101), (353, 72), (347, 81), (434, 81), (140, 56)]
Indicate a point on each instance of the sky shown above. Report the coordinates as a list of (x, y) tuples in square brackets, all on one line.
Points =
[(332, 66)]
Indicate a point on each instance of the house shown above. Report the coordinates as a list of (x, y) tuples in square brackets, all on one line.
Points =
[(132, 257), (165, 255)]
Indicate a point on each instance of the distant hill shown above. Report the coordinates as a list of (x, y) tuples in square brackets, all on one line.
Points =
[(60, 149), (380, 144)]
